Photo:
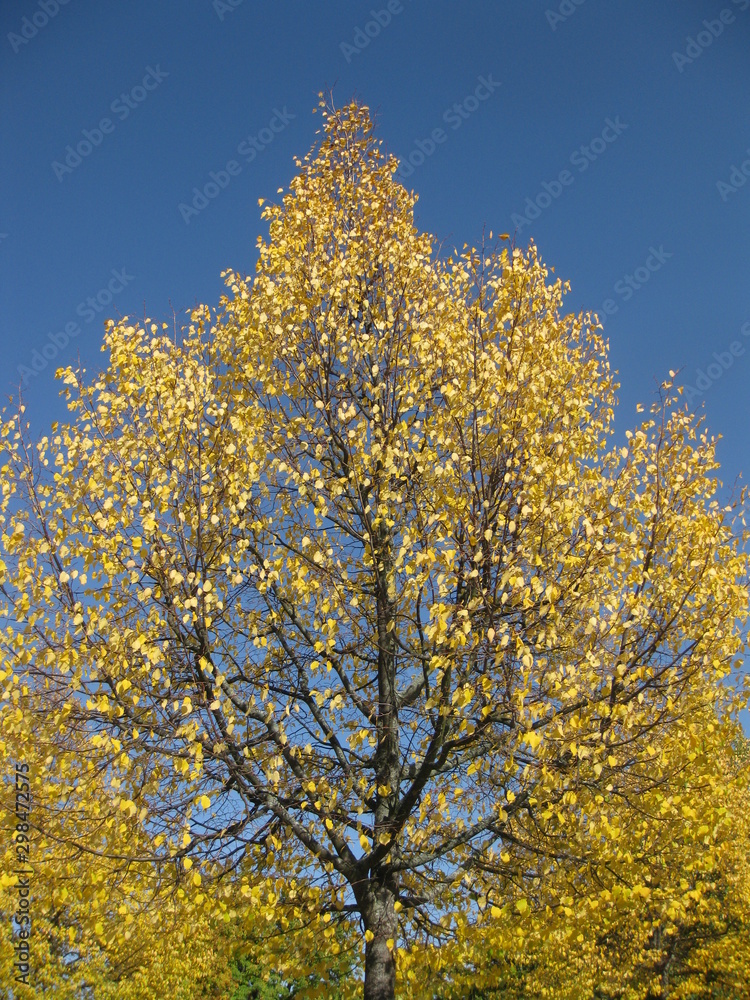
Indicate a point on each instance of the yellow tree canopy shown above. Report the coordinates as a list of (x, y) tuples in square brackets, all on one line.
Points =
[(349, 583), (101, 919), (671, 920)]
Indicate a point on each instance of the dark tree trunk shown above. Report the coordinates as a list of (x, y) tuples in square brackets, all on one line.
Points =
[(381, 920), (379, 896)]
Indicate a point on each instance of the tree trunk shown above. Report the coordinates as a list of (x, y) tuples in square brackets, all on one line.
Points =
[(380, 965), (377, 908)]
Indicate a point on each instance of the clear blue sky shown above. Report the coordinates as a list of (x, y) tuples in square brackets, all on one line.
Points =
[(621, 127)]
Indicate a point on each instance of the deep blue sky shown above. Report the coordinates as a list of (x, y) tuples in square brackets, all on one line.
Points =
[(220, 75), (217, 73)]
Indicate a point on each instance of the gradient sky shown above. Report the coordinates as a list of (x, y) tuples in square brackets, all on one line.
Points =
[(622, 128)]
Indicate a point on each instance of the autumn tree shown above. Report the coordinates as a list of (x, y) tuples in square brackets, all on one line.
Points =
[(349, 589), (672, 923), (112, 931), (99, 928)]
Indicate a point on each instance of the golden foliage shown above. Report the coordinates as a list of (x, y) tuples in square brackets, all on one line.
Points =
[(350, 582)]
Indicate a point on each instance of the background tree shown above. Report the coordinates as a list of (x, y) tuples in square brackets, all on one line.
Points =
[(99, 928), (673, 925), (107, 931), (349, 585)]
